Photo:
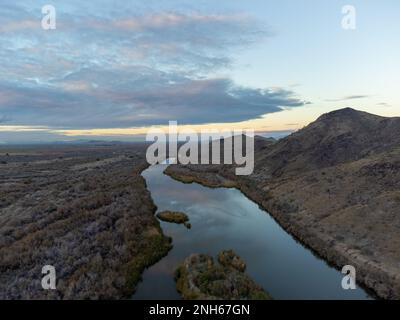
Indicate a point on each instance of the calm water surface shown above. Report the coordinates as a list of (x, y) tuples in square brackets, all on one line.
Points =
[(226, 219)]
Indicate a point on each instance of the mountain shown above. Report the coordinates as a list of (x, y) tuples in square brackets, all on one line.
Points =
[(335, 186), (334, 138)]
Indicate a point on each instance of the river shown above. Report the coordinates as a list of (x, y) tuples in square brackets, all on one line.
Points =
[(226, 219)]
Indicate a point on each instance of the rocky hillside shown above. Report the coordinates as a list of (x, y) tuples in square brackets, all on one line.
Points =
[(335, 185), (335, 138)]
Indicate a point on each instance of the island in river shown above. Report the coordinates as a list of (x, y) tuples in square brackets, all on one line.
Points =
[(199, 277)]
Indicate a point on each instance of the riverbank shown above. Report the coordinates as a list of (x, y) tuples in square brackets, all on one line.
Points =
[(370, 274)]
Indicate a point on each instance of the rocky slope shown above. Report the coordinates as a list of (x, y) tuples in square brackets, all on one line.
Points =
[(335, 185)]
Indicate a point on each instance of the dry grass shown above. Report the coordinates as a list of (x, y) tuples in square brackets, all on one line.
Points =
[(94, 224)]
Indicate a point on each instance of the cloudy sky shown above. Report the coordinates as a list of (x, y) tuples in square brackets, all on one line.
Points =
[(115, 68)]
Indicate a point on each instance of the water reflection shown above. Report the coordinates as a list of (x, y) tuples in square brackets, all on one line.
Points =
[(226, 219)]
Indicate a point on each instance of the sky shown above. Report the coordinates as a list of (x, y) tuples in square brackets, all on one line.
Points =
[(114, 69)]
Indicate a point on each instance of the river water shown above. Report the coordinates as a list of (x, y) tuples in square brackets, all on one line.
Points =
[(226, 219)]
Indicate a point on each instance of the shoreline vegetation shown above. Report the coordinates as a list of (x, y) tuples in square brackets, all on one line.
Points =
[(159, 247)]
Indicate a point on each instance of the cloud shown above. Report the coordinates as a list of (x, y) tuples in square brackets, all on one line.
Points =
[(383, 104), (182, 41), (119, 65), (139, 97), (4, 119), (23, 25), (346, 98)]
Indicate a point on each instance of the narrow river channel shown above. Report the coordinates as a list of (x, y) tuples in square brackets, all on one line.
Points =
[(226, 219)]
